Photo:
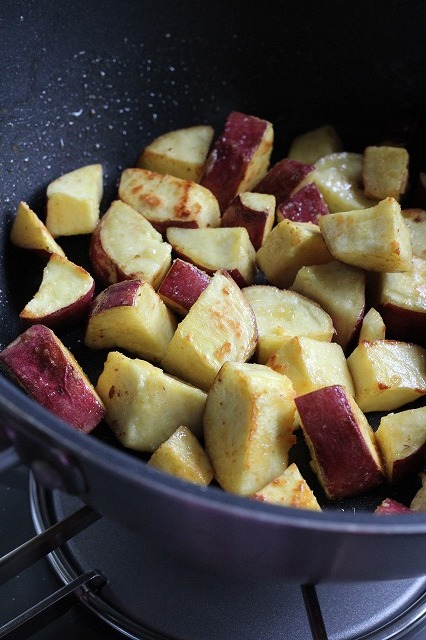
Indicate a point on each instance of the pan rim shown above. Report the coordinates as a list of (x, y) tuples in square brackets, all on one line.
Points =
[(16, 405)]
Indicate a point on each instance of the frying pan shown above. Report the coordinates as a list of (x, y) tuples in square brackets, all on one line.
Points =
[(88, 81)]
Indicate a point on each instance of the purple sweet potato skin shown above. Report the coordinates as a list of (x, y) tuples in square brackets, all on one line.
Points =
[(41, 366), (232, 151), (341, 453)]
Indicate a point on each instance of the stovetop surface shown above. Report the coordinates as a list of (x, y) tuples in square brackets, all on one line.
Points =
[(38, 581), (29, 587)]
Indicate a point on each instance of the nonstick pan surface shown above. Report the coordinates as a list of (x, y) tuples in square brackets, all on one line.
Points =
[(91, 81)]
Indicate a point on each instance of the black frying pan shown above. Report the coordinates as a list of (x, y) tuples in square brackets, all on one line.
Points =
[(90, 81)]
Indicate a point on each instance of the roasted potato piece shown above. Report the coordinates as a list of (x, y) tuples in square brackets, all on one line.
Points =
[(372, 327), (167, 201), (375, 239), (415, 219), (227, 248), (392, 507), (344, 452), (239, 158), (182, 285), (219, 326), (328, 284), (144, 405), (305, 205), (183, 456), (385, 171), (338, 176), (181, 153), (255, 212), (48, 372), (387, 374), (400, 299), (290, 246), (125, 246), (248, 424), (130, 315), (73, 201), (312, 145), (311, 364), (290, 489), (63, 297), (402, 441), (283, 178), (418, 503)]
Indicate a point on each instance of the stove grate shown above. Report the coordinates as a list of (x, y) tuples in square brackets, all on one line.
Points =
[(91, 581), (64, 538)]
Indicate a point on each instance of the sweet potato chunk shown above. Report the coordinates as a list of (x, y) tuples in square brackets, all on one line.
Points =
[(144, 405), (344, 452), (290, 489), (219, 326), (183, 456), (248, 424), (375, 239)]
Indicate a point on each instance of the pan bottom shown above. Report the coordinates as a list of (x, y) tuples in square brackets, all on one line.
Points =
[(152, 595)]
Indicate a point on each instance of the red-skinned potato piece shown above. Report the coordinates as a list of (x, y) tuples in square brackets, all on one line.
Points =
[(240, 157), (49, 373), (344, 453), (130, 315), (283, 178), (226, 248), (391, 507), (64, 296), (182, 285), (401, 438), (167, 201), (314, 144), (220, 326), (401, 301), (387, 374), (73, 201), (255, 212), (306, 205), (125, 246), (181, 153), (338, 176)]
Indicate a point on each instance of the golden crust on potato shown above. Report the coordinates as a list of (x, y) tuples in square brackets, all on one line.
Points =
[(248, 426)]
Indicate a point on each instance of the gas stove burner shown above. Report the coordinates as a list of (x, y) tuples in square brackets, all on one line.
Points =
[(150, 595)]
